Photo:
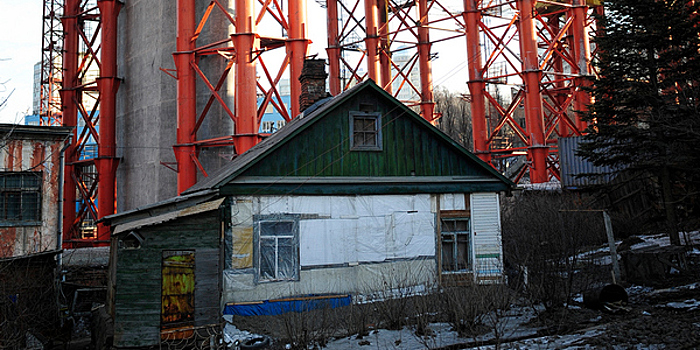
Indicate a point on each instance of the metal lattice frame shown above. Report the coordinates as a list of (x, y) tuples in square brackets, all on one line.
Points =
[(552, 66), (88, 104), (546, 52), (243, 52), (51, 63)]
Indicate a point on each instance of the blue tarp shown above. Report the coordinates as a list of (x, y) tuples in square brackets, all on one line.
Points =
[(292, 304)]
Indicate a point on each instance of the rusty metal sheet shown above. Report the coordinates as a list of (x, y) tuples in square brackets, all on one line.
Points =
[(177, 297)]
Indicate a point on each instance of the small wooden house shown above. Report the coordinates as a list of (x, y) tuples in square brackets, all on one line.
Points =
[(357, 195)]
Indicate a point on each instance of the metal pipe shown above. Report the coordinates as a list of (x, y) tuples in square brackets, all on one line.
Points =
[(296, 45), (427, 105), (69, 97), (384, 46), (533, 99), (372, 40), (472, 17), (245, 43), (186, 95), (107, 84), (582, 57), (333, 49)]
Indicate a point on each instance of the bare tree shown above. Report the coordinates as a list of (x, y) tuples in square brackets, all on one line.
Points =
[(455, 116)]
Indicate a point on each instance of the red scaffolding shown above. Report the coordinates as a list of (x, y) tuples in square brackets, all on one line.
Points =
[(88, 104), (243, 52), (541, 49)]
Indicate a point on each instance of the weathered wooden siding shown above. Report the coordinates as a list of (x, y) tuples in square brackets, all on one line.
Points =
[(137, 303), (408, 148)]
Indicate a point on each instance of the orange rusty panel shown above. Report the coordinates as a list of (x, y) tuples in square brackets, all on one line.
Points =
[(7, 241), (37, 161), (177, 297)]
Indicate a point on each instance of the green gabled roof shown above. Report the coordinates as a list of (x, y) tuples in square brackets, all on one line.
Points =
[(315, 146)]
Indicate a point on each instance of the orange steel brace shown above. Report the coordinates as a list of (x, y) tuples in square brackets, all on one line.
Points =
[(427, 105), (472, 18), (582, 56), (384, 46), (246, 42), (186, 95), (333, 49), (372, 40), (533, 99), (107, 84), (561, 91), (70, 113), (296, 46)]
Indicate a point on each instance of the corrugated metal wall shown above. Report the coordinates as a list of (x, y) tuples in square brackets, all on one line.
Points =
[(573, 166)]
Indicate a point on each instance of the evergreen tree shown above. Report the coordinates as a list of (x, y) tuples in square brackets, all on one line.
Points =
[(646, 114)]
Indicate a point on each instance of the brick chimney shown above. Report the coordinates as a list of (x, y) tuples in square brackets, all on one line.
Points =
[(313, 82)]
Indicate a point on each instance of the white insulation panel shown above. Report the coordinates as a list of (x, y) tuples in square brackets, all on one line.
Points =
[(354, 229)]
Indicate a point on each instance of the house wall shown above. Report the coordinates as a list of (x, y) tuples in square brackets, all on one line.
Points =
[(42, 155), (136, 285), (347, 244)]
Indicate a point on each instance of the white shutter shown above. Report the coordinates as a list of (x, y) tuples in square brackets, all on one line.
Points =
[(486, 234)]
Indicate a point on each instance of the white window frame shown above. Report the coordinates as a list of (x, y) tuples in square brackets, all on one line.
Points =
[(259, 221)]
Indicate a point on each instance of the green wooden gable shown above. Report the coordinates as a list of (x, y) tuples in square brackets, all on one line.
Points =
[(314, 154)]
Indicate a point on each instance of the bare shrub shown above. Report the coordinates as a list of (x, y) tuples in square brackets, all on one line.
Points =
[(461, 308), (544, 234), (311, 326), (28, 311)]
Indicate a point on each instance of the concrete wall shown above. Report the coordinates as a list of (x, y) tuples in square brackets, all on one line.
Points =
[(146, 100)]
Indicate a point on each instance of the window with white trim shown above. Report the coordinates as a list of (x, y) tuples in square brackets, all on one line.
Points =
[(20, 197), (277, 248)]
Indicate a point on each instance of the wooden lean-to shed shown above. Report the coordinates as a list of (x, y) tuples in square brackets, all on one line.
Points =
[(357, 195)]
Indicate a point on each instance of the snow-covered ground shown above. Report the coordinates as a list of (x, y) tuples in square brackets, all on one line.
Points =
[(514, 326)]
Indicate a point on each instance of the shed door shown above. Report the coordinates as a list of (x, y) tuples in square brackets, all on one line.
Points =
[(177, 297)]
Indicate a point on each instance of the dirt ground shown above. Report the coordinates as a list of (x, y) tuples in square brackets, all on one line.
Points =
[(659, 319)]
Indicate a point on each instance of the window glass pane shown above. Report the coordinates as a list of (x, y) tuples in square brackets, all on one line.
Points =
[(461, 225), (286, 262), (370, 139), (267, 259), (447, 256), (13, 203), (30, 206), (462, 255), (277, 228), (13, 181), (358, 139), (31, 181), (368, 124)]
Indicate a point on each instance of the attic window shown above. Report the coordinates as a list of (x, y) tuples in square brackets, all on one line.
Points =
[(132, 240), (365, 131)]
